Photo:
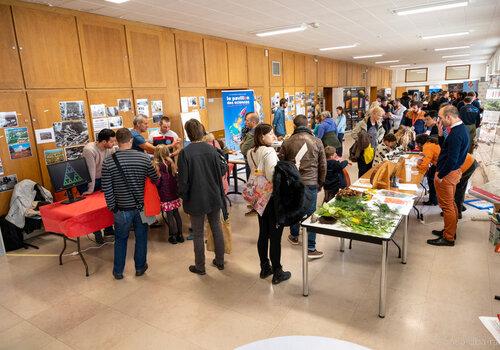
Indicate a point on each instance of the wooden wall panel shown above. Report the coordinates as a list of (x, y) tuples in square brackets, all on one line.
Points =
[(190, 62), (329, 73), (55, 61), (342, 66), (23, 168), (104, 53), (147, 56), (311, 70), (275, 56), (186, 92), (263, 93), (171, 61), (237, 64), (321, 71), (300, 69), (335, 73), (216, 67), (109, 98), (44, 107), (257, 66), (288, 69), (11, 76)]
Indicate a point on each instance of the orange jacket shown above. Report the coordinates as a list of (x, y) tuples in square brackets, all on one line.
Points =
[(431, 153), (415, 116), (467, 163)]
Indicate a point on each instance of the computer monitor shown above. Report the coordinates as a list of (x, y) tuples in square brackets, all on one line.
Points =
[(69, 174)]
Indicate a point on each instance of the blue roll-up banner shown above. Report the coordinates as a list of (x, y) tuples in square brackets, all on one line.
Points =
[(235, 105)]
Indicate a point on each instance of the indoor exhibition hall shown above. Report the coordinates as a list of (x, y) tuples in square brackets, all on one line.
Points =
[(249, 175)]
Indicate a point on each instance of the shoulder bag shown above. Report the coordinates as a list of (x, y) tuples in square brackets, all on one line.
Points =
[(258, 189)]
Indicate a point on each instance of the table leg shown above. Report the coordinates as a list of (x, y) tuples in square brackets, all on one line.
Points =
[(405, 241), (235, 177), (64, 248), (342, 244), (305, 272), (81, 257), (383, 281)]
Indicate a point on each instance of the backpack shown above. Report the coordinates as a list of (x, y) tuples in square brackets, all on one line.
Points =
[(292, 199)]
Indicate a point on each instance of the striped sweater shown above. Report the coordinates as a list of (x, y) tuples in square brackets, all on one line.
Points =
[(136, 166)]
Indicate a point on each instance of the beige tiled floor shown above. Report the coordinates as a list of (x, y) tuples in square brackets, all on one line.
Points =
[(433, 302)]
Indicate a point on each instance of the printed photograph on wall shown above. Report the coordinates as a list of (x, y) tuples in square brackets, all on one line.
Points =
[(74, 152), (112, 111), (8, 182), (99, 124), (71, 133), (53, 156), (157, 108), (16, 135), (98, 111), (142, 106), (44, 135), (20, 150), (202, 102), (8, 119), (124, 104), (193, 101), (1, 167), (115, 122), (71, 110)]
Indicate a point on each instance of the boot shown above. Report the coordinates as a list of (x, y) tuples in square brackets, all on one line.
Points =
[(280, 276)]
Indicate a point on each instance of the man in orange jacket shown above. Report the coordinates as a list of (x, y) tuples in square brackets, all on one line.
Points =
[(430, 150)]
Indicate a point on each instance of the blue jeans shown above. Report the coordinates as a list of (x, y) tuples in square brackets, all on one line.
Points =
[(294, 230), (123, 221)]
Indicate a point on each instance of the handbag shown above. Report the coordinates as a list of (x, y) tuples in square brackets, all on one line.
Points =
[(258, 189), (368, 154), (226, 231), (144, 218)]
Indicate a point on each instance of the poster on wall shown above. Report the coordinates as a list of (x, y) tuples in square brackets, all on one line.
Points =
[(275, 102), (142, 106), (187, 116), (202, 102), (53, 156), (235, 105), (310, 105), (98, 111), (184, 104), (290, 109), (115, 122), (157, 108), (112, 111), (258, 107), (7, 183), (20, 150), (71, 110), (71, 133), (99, 124), (471, 85), (74, 152), (8, 119), (16, 135), (45, 135), (124, 104), (1, 167), (300, 102)]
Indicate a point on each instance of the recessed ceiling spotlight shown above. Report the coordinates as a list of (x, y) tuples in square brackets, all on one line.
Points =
[(444, 35), (459, 55), (437, 6), (367, 56), (383, 62), (339, 47), (452, 48)]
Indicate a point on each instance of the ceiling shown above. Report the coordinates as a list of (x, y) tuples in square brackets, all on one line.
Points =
[(367, 22)]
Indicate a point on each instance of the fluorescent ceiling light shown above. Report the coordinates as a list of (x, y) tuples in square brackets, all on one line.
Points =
[(445, 35), (437, 6), (339, 47), (117, 1), (459, 55), (282, 30), (383, 62), (452, 48), (400, 65), (367, 56), (457, 61)]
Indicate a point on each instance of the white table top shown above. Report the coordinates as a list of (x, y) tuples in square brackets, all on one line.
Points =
[(301, 343)]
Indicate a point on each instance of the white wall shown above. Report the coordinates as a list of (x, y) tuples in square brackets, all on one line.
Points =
[(435, 75)]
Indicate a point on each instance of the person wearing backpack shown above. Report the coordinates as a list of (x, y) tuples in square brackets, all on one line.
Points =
[(308, 153), (262, 159)]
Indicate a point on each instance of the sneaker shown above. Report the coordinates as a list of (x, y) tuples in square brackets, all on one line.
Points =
[(193, 269), (219, 266), (172, 240), (141, 272), (315, 254), (266, 272), (251, 213), (281, 276), (179, 239), (118, 276), (190, 237), (294, 240)]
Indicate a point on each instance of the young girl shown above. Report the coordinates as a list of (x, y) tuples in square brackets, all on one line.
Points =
[(167, 189)]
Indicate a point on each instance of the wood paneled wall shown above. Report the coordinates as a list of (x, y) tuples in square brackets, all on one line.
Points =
[(50, 54)]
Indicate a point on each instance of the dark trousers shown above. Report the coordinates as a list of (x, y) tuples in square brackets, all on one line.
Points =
[(340, 150), (174, 222), (430, 180), (198, 225), (362, 166), (124, 220), (462, 186), (269, 238)]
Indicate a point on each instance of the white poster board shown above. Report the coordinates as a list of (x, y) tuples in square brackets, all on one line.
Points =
[(189, 115)]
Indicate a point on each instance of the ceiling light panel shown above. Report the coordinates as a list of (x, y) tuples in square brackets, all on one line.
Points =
[(438, 6), (459, 55), (339, 47), (437, 36), (384, 62), (452, 48), (367, 56), (282, 30)]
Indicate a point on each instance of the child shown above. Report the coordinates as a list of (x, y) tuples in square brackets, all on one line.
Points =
[(167, 189), (430, 149), (431, 126), (388, 144), (335, 179)]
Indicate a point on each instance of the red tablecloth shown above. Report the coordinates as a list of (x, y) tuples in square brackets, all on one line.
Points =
[(78, 218)]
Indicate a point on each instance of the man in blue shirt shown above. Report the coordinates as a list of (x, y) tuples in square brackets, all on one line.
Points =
[(138, 142), (279, 120), (448, 173), (471, 117)]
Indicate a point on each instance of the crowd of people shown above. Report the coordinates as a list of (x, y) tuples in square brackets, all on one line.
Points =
[(195, 177)]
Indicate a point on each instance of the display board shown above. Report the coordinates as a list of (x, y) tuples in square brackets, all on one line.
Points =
[(235, 105)]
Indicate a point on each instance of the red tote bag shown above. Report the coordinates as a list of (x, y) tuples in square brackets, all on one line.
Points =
[(151, 199)]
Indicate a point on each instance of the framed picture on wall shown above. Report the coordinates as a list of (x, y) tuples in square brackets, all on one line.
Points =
[(416, 75), (276, 68), (457, 72)]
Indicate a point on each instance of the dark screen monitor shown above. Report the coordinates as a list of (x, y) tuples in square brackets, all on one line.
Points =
[(69, 174)]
